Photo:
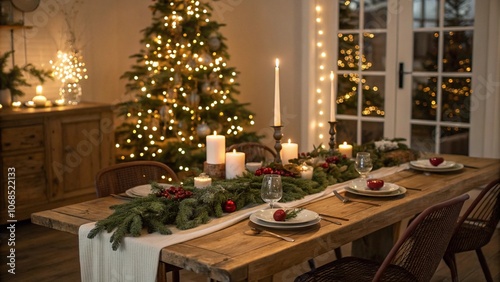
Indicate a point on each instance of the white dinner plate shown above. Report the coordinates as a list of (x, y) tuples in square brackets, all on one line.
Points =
[(425, 163), (456, 167), (360, 186), (398, 192), (303, 216), (142, 190), (257, 221)]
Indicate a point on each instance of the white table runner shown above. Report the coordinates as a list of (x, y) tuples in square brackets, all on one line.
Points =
[(137, 257)]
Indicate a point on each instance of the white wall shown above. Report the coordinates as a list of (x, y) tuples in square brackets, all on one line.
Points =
[(258, 32)]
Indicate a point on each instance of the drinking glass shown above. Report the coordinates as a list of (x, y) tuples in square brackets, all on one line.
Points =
[(363, 164), (271, 190)]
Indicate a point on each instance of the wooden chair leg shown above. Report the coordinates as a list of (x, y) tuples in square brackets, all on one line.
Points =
[(338, 253), (484, 265), (449, 259), (312, 264)]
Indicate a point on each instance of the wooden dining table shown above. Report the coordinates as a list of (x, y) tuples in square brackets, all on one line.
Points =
[(231, 254)]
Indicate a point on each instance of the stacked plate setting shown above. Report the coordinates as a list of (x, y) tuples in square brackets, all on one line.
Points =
[(304, 218), (425, 165), (359, 187)]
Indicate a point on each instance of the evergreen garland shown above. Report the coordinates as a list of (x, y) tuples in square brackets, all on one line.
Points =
[(155, 212)]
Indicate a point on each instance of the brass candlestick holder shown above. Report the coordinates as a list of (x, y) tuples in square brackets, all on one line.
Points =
[(277, 146), (333, 138)]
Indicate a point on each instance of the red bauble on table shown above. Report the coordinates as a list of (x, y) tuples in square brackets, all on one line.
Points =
[(435, 161), (229, 206), (279, 215), (375, 184)]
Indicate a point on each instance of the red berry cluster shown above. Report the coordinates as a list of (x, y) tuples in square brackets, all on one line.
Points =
[(175, 193), (332, 160), (269, 170)]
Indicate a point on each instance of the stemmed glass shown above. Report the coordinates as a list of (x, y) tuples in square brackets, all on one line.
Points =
[(363, 164), (271, 190)]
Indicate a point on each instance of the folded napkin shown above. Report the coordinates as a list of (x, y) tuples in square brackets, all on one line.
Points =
[(137, 258)]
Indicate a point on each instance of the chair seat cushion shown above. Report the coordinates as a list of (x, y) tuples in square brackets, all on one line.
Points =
[(356, 270)]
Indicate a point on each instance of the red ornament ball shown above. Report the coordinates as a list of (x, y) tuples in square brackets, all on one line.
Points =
[(229, 206)]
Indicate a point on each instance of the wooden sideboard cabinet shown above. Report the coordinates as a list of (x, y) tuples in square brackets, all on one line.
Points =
[(50, 156)]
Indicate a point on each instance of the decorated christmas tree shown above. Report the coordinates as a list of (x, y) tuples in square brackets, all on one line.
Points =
[(183, 89)]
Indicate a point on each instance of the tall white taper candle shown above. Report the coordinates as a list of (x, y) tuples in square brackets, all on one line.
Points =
[(333, 97), (277, 113)]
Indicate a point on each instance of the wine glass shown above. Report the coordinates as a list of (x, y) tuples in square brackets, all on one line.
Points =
[(271, 190), (363, 164)]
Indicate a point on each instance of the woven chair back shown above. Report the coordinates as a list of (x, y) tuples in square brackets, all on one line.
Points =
[(120, 177)]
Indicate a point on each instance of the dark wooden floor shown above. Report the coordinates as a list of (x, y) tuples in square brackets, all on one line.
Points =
[(43, 254)]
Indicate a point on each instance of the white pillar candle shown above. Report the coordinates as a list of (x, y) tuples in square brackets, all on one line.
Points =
[(39, 90), (333, 97), (346, 149), (216, 148), (289, 151), (277, 113), (306, 172), (39, 100), (202, 181), (235, 164)]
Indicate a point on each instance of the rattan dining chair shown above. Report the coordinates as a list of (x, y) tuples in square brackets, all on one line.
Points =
[(475, 229), (414, 257), (118, 178), (254, 152)]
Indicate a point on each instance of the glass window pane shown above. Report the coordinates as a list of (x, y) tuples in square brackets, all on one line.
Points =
[(373, 95), (375, 14), (349, 14), (346, 131), (457, 55), (456, 99), (371, 131), (423, 138), (424, 98), (454, 140), (459, 13), (425, 13), (374, 51), (425, 51), (348, 57), (347, 96)]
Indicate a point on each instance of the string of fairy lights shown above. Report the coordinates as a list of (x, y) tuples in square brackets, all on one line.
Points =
[(69, 67), (176, 55), (322, 72)]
